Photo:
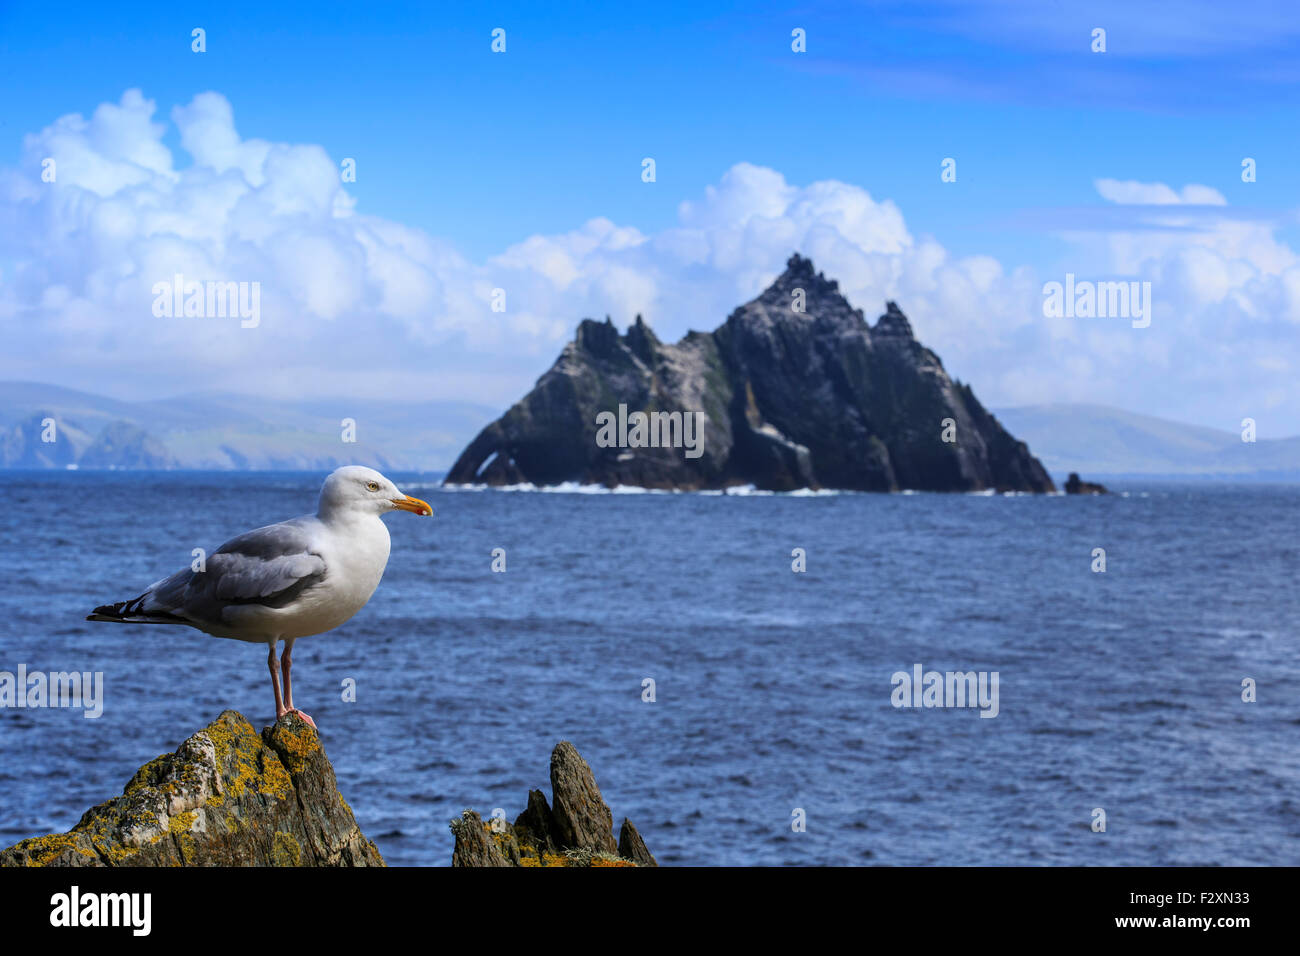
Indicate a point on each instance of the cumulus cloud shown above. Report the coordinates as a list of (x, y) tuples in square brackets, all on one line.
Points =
[(1199, 260), (1223, 341), (358, 304)]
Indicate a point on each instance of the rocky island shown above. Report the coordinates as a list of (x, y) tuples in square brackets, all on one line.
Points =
[(794, 390), (1074, 485)]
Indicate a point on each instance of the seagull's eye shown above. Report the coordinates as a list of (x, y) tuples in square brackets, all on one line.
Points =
[(372, 485)]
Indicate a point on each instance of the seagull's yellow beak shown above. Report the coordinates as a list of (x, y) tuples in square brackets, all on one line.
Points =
[(413, 505)]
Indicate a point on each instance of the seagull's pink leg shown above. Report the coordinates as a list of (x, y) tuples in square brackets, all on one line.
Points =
[(286, 660), (274, 665)]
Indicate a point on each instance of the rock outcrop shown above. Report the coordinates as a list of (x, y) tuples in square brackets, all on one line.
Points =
[(227, 797), (1075, 486), (575, 829), (794, 390)]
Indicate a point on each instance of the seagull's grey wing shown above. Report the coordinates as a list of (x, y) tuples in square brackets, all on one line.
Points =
[(270, 566)]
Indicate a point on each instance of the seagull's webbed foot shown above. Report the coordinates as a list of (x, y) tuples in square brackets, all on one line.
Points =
[(304, 716), (283, 711)]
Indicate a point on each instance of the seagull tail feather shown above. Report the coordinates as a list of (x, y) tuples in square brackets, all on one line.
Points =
[(132, 612)]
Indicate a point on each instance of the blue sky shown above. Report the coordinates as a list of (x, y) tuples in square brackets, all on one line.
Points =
[(482, 151), (488, 148)]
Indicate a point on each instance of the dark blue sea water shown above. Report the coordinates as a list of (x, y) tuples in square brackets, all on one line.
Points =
[(1119, 690)]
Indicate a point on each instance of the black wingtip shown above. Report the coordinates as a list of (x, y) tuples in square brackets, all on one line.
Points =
[(118, 611)]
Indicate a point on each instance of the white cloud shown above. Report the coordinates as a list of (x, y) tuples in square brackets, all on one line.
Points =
[(364, 305), (1132, 192)]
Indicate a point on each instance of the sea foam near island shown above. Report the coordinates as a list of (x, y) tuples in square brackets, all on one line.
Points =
[(577, 488)]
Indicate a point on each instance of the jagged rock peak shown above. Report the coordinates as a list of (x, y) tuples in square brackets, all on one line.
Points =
[(800, 273), (801, 293), (893, 322), (798, 265), (598, 338), (642, 340), (575, 829)]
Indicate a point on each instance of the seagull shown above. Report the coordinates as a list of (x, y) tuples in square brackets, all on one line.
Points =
[(284, 581)]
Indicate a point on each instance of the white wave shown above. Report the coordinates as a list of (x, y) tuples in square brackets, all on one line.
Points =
[(736, 491), (576, 488)]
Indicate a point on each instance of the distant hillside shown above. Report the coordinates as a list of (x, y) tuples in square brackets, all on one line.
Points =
[(220, 431), (1096, 440)]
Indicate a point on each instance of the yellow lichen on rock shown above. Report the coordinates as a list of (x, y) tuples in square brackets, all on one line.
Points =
[(285, 850), (43, 849), (300, 746), (255, 766), (274, 779), (145, 773)]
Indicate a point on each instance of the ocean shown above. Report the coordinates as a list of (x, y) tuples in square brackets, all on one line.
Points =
[(773, 689)]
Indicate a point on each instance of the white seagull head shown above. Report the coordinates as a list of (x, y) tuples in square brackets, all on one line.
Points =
[(357, 489)]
